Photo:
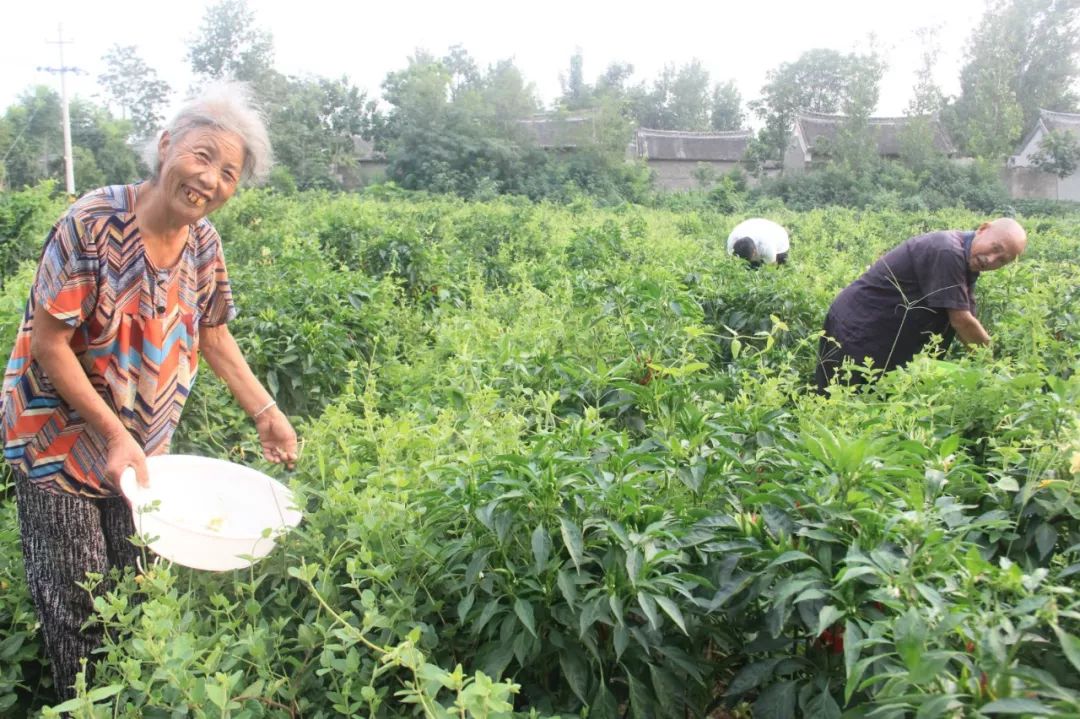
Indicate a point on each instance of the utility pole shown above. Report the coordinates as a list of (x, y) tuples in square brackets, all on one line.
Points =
[(69, 165)]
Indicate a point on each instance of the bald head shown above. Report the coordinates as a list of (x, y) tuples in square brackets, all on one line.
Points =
[(996, 244)]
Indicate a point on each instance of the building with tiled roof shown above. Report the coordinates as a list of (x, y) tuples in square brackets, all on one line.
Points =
[(814, 133), (1025, 180), (676, 157)]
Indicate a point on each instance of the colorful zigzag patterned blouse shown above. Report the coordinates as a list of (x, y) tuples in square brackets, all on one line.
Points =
[(136, 336)]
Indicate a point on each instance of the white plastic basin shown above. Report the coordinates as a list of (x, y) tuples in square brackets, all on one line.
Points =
[(207, 513)]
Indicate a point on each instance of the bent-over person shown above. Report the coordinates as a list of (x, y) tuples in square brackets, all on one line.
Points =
[(759, 241), (923, 287)]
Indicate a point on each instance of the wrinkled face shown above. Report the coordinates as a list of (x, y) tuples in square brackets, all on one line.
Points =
[(200, 170), (992, 249)]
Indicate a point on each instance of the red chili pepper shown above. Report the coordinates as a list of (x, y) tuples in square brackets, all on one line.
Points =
[(833, 638)]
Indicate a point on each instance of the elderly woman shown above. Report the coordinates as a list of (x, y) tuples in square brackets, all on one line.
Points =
[(131, 287)]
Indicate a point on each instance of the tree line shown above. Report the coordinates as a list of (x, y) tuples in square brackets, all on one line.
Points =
[(446, 124)]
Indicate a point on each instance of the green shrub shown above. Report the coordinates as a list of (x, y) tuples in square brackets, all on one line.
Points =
[(575, 448)]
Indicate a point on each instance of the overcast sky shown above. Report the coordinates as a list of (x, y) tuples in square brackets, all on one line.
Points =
[(365, 40)]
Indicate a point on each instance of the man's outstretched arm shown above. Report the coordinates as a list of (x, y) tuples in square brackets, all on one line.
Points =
[(968, 328)]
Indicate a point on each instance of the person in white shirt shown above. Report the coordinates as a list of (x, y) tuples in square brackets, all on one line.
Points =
[(759, 241)]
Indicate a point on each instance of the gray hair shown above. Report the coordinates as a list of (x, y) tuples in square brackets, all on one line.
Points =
[(225, 106)]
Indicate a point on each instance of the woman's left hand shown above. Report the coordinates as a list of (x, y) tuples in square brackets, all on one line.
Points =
[(277, 437)]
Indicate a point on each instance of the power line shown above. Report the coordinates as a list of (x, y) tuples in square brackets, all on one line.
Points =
[(15, 142)]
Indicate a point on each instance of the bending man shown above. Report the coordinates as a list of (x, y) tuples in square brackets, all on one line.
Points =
[(922, 288)]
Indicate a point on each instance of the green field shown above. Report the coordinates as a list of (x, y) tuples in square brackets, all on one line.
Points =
[(576, 450)]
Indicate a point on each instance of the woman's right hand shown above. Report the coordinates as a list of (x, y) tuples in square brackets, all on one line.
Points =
[(123, 452)]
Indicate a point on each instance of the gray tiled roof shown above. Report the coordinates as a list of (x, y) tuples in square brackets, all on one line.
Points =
[(1050, 121), (815, 127), (1060, 120), (693, 146)]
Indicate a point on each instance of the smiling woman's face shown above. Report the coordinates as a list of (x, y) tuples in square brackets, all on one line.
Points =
[(199, 171)]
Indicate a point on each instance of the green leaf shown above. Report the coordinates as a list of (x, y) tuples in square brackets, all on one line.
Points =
[(486, 614), (573, 540), (1070, 645), (642, 705), (852, 636), (634, 562), (854, 675), (603, 705), (272, 382), (567, 587), (930, 667), (541, 547), (648, 605), (465, 605), (850, 573), (936, 707), (1015, 705), (672, 610), (791, 556), (1007, 484), (1045, 539), (750, 677), (620, 639), (736, 347), (910, 638), (823, 706), (69, 706), (96, 695), (666, 688), (949, 445), (217, 695), (827, 617), (776, 702), (576, 672), (524, 612)]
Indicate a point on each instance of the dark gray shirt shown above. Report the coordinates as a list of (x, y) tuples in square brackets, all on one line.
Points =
[(891, 311)]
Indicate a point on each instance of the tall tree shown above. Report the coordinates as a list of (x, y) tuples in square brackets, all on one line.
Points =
[(988, 116), (1023, 56), (820, 80), (856, 143), (229, 44), (727, 111), (690, 100), (455, 142), (677, 100), (36, 143), (926, 95), (135, 88), (507, 98), (312, 128), (918, 148), (34, 147), (464, 74), (613, 80), (576, 93)]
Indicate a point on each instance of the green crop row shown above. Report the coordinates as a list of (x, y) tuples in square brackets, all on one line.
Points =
[(566, 461)]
